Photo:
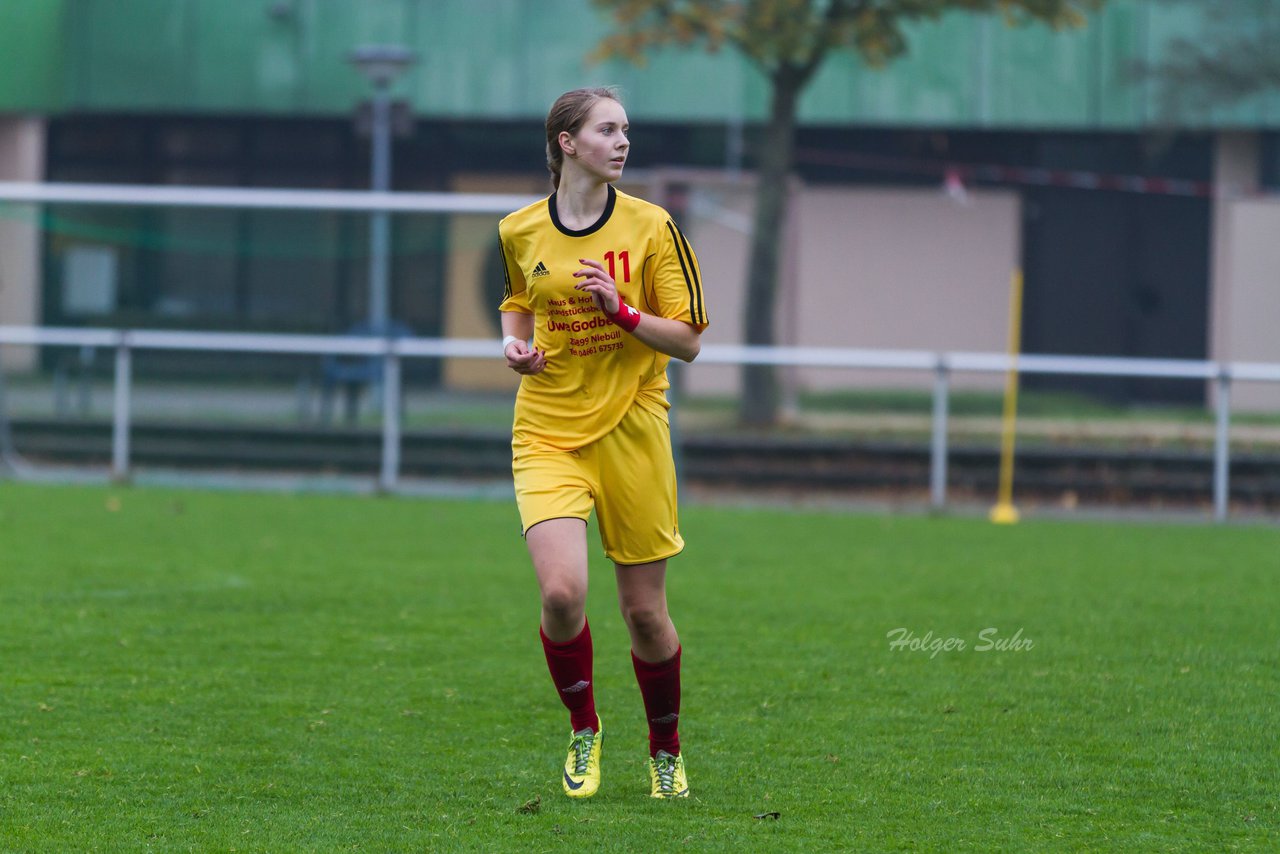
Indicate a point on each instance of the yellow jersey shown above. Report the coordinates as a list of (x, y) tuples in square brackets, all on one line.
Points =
[(595, 372)]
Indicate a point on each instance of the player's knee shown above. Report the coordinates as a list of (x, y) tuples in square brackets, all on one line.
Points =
[(645, 620), (563, 600)]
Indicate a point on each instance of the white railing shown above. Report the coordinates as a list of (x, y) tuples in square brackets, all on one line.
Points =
[(262, 198), (392, 350)]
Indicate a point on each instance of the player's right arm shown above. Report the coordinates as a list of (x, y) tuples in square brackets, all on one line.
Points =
[(521, 358), (517, 316)]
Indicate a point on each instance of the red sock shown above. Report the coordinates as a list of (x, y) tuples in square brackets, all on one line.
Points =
[(570, 665), (660, 688)]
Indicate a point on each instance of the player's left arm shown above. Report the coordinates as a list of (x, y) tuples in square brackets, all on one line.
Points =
[(674, 291), (676, 338)]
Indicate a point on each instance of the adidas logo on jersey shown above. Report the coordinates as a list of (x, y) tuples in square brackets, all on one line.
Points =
[(540, 271)]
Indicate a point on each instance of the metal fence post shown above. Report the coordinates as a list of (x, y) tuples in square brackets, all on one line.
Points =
[(938, 445), (120, 410), (1222, 448), (390, 419)]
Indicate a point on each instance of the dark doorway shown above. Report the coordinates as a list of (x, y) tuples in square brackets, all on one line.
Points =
[(1119, 274)]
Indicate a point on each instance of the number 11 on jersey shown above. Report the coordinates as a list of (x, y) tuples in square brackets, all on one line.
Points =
[(625, 257)]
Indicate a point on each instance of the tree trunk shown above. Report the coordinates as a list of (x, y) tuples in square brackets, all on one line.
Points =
[(759, 403)]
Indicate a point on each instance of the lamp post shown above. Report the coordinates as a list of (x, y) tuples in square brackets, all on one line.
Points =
[(381, 65)]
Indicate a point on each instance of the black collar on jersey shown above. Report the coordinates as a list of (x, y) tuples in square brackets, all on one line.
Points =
[(591, 229)]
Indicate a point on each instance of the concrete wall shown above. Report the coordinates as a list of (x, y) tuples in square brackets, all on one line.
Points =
[(907, 269), (895, 269), (1244, 299), (1246, 322), (22, 147)]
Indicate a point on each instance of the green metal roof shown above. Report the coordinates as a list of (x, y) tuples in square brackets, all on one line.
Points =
[(504, 59)]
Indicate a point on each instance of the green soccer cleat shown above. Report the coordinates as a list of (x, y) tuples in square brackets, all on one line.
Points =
[(582, 767), (666, 776)]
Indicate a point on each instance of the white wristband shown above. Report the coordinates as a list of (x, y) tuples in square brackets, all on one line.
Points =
[(506, 342)]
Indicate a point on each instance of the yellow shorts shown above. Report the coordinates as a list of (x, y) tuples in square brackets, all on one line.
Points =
[(628, 476)]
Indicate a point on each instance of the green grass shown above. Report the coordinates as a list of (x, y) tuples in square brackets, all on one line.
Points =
[(222, 671)]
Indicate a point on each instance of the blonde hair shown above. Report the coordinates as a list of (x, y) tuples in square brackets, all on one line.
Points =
[(569, 113)]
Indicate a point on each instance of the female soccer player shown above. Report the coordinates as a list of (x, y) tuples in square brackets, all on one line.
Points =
[(609, 290)]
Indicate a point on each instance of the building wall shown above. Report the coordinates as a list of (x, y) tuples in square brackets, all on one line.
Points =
[(1245, 305), (898, 269), (288, 57), (1247, 323), (35, 56), (22, 147)]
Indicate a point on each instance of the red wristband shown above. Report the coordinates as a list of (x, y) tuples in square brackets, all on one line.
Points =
[(626, 316)]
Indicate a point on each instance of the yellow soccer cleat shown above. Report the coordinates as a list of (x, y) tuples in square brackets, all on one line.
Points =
[(666, 776), (582, 767)]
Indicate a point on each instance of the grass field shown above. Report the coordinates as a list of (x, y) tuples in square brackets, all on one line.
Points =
[(252, 672)]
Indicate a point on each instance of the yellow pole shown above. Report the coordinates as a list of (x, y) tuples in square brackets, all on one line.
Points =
[(1004, 513)]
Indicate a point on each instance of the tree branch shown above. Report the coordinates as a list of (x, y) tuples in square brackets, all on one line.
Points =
[(829, 36)]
